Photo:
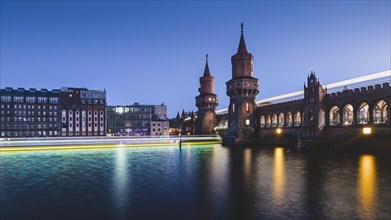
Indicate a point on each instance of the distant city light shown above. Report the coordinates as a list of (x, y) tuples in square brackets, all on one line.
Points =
[(279, 131)]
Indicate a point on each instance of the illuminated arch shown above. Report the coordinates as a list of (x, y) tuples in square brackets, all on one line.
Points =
[(281, 120), (363, 113), (274, 120), (380, 112), (289, 119), (297, 118), (268, 121), (347, 114), (262, 121), (334, 116)]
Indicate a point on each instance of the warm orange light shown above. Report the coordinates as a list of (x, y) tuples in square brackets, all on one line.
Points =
[(279, 173), (367, 182), (278, 130), (367, 130)]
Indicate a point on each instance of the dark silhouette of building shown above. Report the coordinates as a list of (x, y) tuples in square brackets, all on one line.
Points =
[(206, 102)]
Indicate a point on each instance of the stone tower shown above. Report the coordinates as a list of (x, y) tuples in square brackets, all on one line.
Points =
[(242, 90), (314, 114), (206, 102)]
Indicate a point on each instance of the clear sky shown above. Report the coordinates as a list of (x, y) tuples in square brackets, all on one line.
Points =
[(154, 52)]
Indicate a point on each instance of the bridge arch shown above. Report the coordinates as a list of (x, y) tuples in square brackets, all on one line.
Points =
[(347, 114), (362, 113), (380, 110), (334, 116), (262, 121), (274, 120), (281, 119), (297, 118), (268, 121), (289, 119)]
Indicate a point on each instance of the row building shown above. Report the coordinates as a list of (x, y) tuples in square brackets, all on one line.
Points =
[(137, 120), (52, 113)]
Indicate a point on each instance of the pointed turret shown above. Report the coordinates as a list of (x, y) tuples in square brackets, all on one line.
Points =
[(206, 71), (242, 44), (242, 61), (207, 80)]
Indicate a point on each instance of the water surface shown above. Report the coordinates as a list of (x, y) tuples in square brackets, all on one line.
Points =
[(197, 182)]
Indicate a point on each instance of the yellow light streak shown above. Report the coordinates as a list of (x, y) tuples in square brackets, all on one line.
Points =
[(367, 182), (98, 146), (279, 173)]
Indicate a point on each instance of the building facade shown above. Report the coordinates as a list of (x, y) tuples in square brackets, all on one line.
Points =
[(83, 112), (44, 113), (206, 103), (136, 119)]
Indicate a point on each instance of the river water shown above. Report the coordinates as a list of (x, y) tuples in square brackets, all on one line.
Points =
[(195, 182)]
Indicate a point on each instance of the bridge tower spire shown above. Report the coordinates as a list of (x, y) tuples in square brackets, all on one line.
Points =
[(242, 90), (206, 102)]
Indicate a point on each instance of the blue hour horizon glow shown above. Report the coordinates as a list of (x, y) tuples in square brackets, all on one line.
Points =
[(154, 52)]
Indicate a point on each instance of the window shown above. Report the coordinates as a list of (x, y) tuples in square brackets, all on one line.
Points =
[(42, 100), (247, 107), (30, 99), (6, 98), (53, 100), (247, 121), (233, 107), (18, 99)]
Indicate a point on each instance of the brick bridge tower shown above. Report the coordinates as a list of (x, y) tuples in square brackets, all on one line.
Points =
[(242, 90), (314, 112), (206, 102)]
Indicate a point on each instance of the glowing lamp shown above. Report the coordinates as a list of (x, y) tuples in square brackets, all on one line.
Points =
[(367, 130), (278, 130)]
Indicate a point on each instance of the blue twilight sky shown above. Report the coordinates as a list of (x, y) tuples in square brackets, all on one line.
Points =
[(153, 52)]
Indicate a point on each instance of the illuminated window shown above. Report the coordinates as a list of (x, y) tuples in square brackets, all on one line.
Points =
[(247, 121), (247, 107)]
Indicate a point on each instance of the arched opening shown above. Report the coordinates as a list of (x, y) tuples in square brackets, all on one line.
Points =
[(262, 121), (289, 119), (380, 112), (281, 120), (274, 120), (268, 121), (363, 113), (334, 116), (297, 118), (347, 114)]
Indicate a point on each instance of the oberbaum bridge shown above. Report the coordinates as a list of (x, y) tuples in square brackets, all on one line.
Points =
[(318, 115)]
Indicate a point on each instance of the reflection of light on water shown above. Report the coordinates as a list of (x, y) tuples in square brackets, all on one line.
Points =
[(367, 182), (279, 173), (247, 165), (120, 179), (218, 177)]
